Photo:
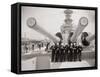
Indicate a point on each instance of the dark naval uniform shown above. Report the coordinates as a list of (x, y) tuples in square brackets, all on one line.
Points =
[(53, 53), (62, 53), (57, 54), (71, 53), (75, 53), (66, 52), (79, 52), (33, 47)]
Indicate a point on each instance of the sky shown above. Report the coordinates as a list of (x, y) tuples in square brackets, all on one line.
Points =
[(51, 19)]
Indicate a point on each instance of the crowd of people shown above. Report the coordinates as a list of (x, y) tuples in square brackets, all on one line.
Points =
[(32, 47), (69, 52), (61, 53)]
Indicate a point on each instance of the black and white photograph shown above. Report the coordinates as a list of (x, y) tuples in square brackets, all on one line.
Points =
[(57, 38)]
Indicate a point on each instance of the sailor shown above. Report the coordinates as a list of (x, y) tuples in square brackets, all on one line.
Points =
[(61, 52), (26, 48), (33, 47), (66, 52), (53, 53), (57, 52), (75, 52), (80, 52), (47, 46), (71, 52), (39, 46)]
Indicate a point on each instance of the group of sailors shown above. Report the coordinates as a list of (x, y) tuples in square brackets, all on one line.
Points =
[(62, 53), (69, 52)]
